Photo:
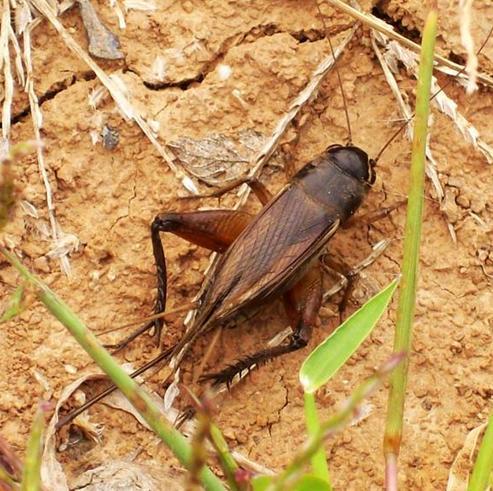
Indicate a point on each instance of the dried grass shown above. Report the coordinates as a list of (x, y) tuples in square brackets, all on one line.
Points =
[(465, 14), (64, 244), (396, 52), (386, 29), (7, 72), (431, 167)]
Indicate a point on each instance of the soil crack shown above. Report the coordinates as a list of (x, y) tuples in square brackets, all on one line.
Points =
[(52, 92), (280, 409), (392, 260), (380, 12), (129, 204), (239, 39)]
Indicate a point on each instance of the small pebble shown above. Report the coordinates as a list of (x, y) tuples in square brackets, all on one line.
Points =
[(70, 369), (188, 7), (42, 264), (110, 137)]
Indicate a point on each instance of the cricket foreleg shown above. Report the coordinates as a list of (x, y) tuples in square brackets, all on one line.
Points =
[(374, 215), (212, 229), (302, 305), (349, 274)]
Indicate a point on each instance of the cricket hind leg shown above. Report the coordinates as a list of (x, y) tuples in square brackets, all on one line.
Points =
[(302, 303), (212, 229), (259, 189)]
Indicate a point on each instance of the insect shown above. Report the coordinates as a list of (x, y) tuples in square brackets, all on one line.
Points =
[(273, 253)]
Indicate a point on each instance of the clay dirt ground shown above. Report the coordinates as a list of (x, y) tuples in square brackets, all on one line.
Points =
[(107, 199)]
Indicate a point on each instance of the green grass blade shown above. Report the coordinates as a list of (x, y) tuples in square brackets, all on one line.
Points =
[(319, 460), (130, 389), (311, 483), (407, 292), (482, 472), (31, 475), (262, 483), (332, 353), (14, 307), (306, 483), (226, 459), (294, 470)]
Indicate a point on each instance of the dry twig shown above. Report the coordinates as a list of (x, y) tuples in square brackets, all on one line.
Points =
[(381, 26), (431, 167), (397, 52), (63, 243)]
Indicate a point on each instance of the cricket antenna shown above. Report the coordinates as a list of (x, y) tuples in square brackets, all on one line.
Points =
[(441, 89), (163, 356), (344, 101), (392, 138)]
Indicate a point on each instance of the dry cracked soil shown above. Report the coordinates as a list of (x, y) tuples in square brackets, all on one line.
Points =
[(215, 67)]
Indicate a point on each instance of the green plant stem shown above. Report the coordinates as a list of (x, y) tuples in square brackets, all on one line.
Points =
[(287, 479), (31, 476), (407, 292), (198, 457), (319, 459), (483, 467), (130, 389), (227, 461)]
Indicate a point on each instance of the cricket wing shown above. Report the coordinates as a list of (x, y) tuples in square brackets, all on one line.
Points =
[(269, 253)]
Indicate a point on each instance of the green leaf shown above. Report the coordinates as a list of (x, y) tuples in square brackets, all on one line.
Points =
[(15, 305), (31, 476), (311, 483), (308, 482), (261, 483), (482, 473), (332, 353), (320, 467)]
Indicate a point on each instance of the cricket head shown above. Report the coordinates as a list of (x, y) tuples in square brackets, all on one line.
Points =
[(353, 161)]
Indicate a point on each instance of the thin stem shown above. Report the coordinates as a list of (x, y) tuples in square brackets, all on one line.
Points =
[(31, 475), (227, 461), (407, 292), (130, 389), (319, 459)]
